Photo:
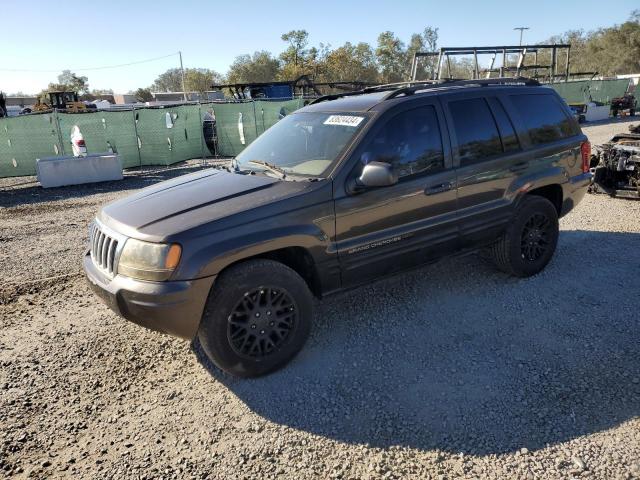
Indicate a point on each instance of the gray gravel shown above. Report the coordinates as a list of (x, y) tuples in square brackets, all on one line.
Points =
[(451, 371)]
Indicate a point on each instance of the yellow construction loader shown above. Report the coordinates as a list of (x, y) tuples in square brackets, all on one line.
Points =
[(62, 101)]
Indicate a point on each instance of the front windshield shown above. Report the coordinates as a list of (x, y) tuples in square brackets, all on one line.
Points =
[(304, 143)]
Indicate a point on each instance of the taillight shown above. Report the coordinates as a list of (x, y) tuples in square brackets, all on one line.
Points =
[(585, 151), (80, 143)]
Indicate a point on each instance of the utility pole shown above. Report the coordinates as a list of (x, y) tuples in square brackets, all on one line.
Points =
[(522, 29), (184, 91)]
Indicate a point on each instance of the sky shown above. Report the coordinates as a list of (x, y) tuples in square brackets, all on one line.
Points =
[(38, 41)]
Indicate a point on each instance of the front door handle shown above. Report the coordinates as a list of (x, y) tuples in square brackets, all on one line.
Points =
[(518, 167), (440, 188)]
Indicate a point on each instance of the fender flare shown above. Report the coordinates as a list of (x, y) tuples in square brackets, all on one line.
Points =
[(217, 256)]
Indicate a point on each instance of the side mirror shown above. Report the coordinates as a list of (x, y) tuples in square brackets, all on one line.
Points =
[(377, 174)]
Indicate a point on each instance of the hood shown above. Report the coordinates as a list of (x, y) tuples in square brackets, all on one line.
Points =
[(179, 204)]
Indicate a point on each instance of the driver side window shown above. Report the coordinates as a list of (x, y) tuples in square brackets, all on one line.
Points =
[(410, 142)]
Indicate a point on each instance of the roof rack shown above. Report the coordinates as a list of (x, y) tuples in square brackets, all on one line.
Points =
[(411, 87), (374, 89), (485, 82)]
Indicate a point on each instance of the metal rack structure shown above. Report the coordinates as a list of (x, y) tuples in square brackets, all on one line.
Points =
[(524, 53)]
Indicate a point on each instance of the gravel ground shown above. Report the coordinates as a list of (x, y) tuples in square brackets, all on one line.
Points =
[(451, 371)]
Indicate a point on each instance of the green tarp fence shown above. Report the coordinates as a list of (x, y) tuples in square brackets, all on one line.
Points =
[(103, 132), (23, 139), (583, 91), (238, 124), (147, 136), (235, 125)]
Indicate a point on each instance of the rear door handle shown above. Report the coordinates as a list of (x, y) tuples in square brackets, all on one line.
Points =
[(440, 188)]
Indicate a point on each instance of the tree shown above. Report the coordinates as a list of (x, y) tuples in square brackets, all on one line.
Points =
[(581, 61), (616, 50), (608, 51), (427, 41), (200, 79), (195, 80), (72, 82), (461, 67), (391, 57), (143, 95), (69, 82), (169, 81), (295, 57), (259, 67), (350, 63)]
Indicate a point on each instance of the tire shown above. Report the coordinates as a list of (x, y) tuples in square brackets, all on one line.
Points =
[(512, 253), (257, 318)]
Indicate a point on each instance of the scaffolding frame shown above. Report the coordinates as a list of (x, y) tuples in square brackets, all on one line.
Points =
[(444, 55)]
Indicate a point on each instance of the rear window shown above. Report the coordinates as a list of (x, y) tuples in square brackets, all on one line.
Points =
[(543, 117), (476, 130)]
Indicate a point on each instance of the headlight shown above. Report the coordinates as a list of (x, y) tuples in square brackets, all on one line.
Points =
[(148, 261)]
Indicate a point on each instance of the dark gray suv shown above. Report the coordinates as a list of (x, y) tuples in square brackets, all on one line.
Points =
[(347, 190)]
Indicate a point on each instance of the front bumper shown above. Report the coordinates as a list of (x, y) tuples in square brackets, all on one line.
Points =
[(169, 307)]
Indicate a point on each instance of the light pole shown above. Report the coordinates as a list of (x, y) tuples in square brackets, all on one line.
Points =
[(184, 91), (522, 29)]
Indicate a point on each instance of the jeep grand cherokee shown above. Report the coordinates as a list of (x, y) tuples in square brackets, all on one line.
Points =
[(349, 189)]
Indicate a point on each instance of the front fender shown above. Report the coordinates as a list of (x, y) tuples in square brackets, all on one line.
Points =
[(209, 257)]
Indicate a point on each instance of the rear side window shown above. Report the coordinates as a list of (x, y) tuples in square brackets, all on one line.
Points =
[(543, 117), (510, 141), (476, 130), (410, 142)]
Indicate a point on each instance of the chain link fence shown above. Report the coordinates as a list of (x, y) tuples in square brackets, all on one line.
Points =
[(145, 136)]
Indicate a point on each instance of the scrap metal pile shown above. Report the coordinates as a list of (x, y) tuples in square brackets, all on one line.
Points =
[(616, 165)]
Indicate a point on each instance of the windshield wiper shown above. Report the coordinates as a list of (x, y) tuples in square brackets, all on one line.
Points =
[(270, 166)]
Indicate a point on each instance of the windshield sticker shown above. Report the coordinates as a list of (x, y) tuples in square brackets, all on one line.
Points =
[(344, 120)]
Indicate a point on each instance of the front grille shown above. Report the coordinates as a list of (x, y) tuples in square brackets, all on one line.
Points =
[(103, 249)]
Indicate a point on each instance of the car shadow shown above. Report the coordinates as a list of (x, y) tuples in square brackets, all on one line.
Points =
[(28, 192), (458, 357)]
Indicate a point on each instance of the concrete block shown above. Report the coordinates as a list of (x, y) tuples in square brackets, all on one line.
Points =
[(59, 171), (596, 113)]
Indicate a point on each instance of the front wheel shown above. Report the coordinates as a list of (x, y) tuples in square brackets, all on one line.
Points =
[(257, 318), (530, 240)]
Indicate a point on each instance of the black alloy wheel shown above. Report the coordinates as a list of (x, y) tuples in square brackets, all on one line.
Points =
[(261, 322), (257, 318), (530, 239), (535, 237)]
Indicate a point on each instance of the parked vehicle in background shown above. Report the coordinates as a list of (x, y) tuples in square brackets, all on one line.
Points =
[(347, 190), (624, 104)]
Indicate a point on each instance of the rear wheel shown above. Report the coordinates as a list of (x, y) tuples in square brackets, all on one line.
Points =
[(530, 240), (257, 318)]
